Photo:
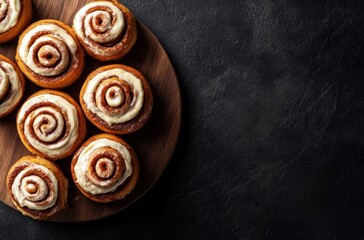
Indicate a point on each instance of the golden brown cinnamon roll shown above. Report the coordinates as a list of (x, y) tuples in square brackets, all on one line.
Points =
[(49, 54), (12, 85), (37, 187), (15, 15), (51, 124), (105, 168), (106, 29), (117, 99)]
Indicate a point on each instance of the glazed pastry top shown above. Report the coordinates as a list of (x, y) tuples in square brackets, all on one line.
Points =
[(99, 23), (35, 187), (116, 96), (51, 128), (9, 14), (101, 179), (48, 54), (9, 81)]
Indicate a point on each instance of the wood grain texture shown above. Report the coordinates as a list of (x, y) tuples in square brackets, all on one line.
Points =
[(154, 143)]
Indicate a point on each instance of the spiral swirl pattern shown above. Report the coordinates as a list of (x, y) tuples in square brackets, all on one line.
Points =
[(10, 87), (48, 50), (35, 187), (102, 166), (49, 123), (115, 95), (102, 27), (9, 14)]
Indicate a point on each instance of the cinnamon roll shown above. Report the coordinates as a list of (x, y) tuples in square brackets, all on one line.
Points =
[(37, 187), (117, 99), (50, 55), (12, 85), (105, 168), (51, 124), (106, 29), (15, 15)]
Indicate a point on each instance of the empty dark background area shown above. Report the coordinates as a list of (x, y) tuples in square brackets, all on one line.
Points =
[(272, 143)]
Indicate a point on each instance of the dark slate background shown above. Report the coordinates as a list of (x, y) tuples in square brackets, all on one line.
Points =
[(272, 144)]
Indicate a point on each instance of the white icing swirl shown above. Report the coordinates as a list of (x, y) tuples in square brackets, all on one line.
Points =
[(115, 96), (9, 14), (48, 129), (100, 187), (4, 83), (97, 26), (101, 165), (10, 87), (32, 191), (50, 54)]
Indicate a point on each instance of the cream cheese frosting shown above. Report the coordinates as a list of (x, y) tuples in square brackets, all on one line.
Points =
[(48, 124), (99, 26), (80, 168), (111, 118), (9, 81), (9, 13), (62, 46), (31, 190)]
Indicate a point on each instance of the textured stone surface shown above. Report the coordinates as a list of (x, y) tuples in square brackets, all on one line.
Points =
[(272, 141)]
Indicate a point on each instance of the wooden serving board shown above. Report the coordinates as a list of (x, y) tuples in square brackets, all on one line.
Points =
[(154, 143)]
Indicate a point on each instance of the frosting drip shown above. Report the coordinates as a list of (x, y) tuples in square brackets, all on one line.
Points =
[(35, 187), (9, 14), (103, 166), (50, 124), (116, 96)]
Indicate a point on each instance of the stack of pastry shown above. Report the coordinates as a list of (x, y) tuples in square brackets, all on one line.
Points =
[(115, 98)]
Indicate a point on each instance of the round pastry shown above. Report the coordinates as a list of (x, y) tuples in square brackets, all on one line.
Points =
[(12, 85), (106, 29), (117, 99), (51, 124), (105, 168), (49, 54), (37, 187), (15, 15)]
